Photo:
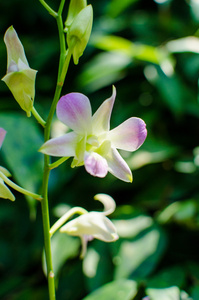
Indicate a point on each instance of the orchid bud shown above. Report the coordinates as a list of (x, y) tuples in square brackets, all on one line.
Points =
[(74, 8), (4, 190), (20, 78), (79, 32)]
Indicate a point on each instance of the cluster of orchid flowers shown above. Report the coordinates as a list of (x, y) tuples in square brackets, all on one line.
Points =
[(90, 142)]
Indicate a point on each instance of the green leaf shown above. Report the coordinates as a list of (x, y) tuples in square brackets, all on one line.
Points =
[(170, 88), (97, 265), (20, 151), (173, 276), (130, 228), (153, 151), (170, 293), (139, 256), (115, 290), (10, 284), (116, 7), (103, 70), (179, 211), (63, 247), (195, 292), (184, 296), (143, 52), (166, 285)]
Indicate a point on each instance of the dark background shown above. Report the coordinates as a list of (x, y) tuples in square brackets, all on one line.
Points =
[(158, 249)]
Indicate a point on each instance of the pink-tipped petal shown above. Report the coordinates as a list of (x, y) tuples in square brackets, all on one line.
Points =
[(118, 167), (74, 110), (129, 135), (95, 164), (101, 118), (2, 136), (61, 146)]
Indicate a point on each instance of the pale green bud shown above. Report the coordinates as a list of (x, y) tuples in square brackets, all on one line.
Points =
[(79, 32), (4, 190), (74, 8), (20, 78)]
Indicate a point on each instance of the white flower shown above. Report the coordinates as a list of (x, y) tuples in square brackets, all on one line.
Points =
[(93, 224)]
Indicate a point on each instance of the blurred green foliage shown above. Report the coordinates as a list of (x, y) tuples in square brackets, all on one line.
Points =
[(150, 51)]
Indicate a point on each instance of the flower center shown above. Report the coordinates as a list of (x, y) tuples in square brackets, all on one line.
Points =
[(13, 67), (92, 143), (98, 144)]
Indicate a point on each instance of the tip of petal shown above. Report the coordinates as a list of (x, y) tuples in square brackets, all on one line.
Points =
[(115, 236), (130, 178), (42, 149), (107, 201)]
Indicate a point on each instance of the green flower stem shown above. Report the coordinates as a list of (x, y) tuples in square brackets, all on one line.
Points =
[(65, 67), (38, 117), (62, 70), (59, 86), (66, 217), (44, 202), (57, 163), (48, 8), (46, 229), (18, 188), (61, 6), (62, 41)]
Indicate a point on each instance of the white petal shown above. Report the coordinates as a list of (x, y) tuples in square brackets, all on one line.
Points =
[(64, 145), (101, 118), (118, 167), (92, 224), (108, 202)]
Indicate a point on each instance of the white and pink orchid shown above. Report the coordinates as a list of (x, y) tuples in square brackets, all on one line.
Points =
[(94, 224), (91, 142)]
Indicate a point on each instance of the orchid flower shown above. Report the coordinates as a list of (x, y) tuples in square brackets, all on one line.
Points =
[(20, 78), (4, 190), (91, 142), (92, 224)]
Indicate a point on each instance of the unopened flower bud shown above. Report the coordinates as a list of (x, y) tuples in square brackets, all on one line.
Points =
[(74, 8), (20, 78), (79, 32)]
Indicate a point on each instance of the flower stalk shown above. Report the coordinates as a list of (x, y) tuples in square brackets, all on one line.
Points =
[(48, 8), (57, 163), (38, 117), (19, 189), (62, 70), (66, 217)]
